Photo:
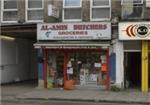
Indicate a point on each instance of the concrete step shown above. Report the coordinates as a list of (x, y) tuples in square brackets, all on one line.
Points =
[(90, 87), (91, 82)]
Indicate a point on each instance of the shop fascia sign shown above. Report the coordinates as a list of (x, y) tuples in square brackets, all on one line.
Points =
[(74, 31), (134, 31)]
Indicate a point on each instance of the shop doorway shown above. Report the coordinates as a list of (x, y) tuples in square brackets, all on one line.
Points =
[(54, 69), (84, 68), (132, 70)]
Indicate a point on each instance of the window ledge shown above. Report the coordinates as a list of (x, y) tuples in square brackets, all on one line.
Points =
[(72, 20)]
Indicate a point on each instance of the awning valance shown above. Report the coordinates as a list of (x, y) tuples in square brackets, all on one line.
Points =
[(71, 45)]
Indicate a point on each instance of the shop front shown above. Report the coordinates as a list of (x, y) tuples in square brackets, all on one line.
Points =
[(135, 36), (75, 53)]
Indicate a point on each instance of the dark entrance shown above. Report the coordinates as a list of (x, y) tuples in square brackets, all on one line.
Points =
[(132, 64)]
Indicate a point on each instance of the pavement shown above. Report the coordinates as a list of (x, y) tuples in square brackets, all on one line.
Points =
[(88, 95), (80, 94)]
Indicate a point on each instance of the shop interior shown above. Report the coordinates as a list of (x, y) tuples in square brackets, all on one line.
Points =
[(85, 67)]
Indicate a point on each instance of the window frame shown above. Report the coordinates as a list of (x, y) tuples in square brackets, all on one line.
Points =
[(98, 7), (122, 3), (28, 9), (7, 10), (133, 5), (71, 7), (147, 3)]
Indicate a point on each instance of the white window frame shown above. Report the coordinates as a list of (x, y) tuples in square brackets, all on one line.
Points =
[(27, 9), (147, 3), (122, 2), (5, 10), (104, 6), (67, 7), (141, 4)]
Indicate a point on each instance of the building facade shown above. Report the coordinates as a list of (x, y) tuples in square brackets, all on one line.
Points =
[(82, 40), (76, 46)]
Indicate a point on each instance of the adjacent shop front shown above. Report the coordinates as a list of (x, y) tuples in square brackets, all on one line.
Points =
[(76, 53), (135, 36)]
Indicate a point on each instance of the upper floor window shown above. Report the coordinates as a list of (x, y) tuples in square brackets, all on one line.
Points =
[(9, 11), (132, 9), (126, 2), (34, 10), (100, 10), (72, 10), (147, 3)]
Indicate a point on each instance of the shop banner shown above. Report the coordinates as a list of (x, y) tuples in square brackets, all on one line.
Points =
[(74, 31), (134, 31)]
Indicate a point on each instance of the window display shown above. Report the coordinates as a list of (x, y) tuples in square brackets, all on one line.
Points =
[(84, 68)]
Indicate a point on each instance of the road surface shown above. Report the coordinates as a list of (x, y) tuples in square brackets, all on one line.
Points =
[(54, 102)]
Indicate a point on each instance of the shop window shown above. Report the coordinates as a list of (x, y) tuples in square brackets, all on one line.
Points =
[(85, 67), (9, 11), (34, 10), (72, 10), (131, 2), (132, 9), (100, 10)]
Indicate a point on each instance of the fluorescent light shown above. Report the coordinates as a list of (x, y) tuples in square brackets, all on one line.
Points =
[(7, 38), (104, 47)]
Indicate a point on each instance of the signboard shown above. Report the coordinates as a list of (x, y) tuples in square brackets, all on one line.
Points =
[(97, 64), (70, 71), (53, 11), (74, 31), (134, 31)]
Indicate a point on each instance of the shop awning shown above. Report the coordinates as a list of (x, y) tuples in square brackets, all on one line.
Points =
[(72, 44)]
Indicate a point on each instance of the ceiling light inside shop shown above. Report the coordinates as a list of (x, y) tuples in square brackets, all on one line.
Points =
[(8, 38)]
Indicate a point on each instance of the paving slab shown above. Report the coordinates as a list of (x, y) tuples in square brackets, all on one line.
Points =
[(30, 91), (87, 95)]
